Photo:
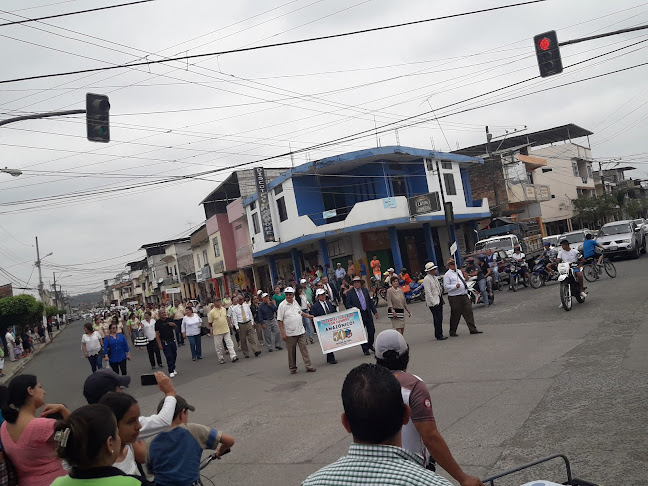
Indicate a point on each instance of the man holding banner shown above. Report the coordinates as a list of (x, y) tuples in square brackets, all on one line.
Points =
[(289, 317), (321, 307), (359, 297)]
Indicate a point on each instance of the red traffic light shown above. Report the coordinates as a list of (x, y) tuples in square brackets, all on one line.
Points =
[(544, 44)]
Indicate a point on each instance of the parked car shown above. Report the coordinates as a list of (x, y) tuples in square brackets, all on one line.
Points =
[(554, 240), (576, 238), (622, 238)]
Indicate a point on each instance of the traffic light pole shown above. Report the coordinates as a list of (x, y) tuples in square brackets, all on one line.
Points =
[(607, 34), (41, 115)]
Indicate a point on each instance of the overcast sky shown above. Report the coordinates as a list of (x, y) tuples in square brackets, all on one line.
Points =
[(218, 112)]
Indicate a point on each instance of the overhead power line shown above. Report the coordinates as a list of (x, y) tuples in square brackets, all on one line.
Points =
[(24, 21), (265, 46)]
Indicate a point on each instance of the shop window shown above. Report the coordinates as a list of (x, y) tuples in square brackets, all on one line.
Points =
[(450, 188), (281, 207), (255, 223)]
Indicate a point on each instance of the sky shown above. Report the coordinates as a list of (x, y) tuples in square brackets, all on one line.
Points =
[(93, 205)]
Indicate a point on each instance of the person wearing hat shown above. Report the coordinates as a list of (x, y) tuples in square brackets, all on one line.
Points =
[(321, 307), (359, 297), (174, 456), (340, 273), (460, 304), (308, 292), (434, 298), (289, 317), (388, 276), (420, 435), (220, 330), (271, 334), (242, 319)]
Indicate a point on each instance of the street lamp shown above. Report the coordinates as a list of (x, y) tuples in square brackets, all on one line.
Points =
[(11, 172)]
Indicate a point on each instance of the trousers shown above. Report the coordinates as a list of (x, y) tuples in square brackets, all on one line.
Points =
[(291, 345), (482, 290), (195, 344), (272, 334), (178, 331), (308, 326), (367, 320), (460, 305), (246, 333), (154, 353), (95, 362), (120, 365), (170, 350), (218, 344), (437, 315)]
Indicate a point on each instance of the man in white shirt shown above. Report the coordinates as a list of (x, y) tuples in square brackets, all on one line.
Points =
[(460, 305), (434, 298), (339, 274), (567, 255), (242, 320), (289, 317), (520, 258)]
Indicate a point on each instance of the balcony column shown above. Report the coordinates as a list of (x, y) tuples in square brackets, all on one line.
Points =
[(324, 252), (272, 265), (452, 232), (294, 254), (429, 243), (395, 247)]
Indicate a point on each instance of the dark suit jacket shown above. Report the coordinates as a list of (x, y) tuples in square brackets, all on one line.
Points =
[(318, 310), (352, 300), (335, 297)]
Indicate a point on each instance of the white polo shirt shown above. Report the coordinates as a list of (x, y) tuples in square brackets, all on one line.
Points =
[(290, 315)]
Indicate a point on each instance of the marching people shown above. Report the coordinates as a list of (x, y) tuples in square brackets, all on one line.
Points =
[(11, 345), (331, 291), (191, 324), (241, 316), (303, 284), (220, 330), (278, 296), (271, 333), (177, 312), (148, 329), (302, 300), (434, 298), (133, 325), (116, 350), (397, 302), (289, 318), (165, 337), (358, 296), (92, 345), (321, 307), (254, 306), (460, 304)]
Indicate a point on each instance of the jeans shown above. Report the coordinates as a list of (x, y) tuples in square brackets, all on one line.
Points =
[(170, 350), (272, 334), (482, 290), (154, 353), (495, 272), (121, 365), (308, 326), (95, 362), (196, 346)]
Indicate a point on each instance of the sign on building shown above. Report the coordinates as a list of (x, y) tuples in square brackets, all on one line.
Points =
[(425, 203), (264, 204)]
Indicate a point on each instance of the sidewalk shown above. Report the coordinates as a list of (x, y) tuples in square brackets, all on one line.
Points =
[(14, 367)]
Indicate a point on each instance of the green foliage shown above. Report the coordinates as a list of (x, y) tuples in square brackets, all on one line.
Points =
[(51, 311), (597, 209), (21, 311), (634, 208)]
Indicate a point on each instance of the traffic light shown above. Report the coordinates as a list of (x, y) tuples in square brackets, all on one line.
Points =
[(548, 53), (97, 114)]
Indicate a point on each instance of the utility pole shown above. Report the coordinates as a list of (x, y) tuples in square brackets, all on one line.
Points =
[(41, 290), (56, 299), (489, 137)]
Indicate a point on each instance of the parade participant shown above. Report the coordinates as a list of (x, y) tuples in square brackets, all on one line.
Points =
[(271, 333), (148, 329), (165, 337), (127, 412), (92, 345), (302, 300), (191, 324), (330, 273), (460, 304), (321, 307), (27, 440), (11, 345), (289, 318), (116, 350), (331, 291), (278, 296), (434, 299), (177, 312), (307, 290), (397, 302), (98, 326), (359, 297), (241, 316), (88, 440), (133, 325), (420, 435), (220, 330), (254, 306)]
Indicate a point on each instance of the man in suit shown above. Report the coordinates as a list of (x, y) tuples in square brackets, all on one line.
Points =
[(434, 298), (359, 297), (321, 307), (330, 290)]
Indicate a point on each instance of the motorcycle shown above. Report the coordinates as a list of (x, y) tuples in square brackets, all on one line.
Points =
[(474, 293), (516, 273), (540, 275), (416, 292), (379, 291), (568, 285)]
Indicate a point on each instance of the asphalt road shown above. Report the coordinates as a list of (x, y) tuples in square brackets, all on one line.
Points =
[(539, 380)]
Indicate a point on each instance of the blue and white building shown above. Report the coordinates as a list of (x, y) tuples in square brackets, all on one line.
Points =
[(383, 201)]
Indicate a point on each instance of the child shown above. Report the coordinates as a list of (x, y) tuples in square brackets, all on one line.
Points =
[(174, 456)]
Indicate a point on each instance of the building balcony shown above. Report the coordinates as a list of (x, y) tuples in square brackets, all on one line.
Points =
[(530, 193)]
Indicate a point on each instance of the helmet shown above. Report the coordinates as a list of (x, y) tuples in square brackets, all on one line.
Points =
[(470, 260), (516, 247)]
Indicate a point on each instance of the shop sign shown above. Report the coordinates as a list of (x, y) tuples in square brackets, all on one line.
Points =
[(264, 204), (425, 203)]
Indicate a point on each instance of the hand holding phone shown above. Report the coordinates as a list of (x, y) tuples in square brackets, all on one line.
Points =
[(148, 380)]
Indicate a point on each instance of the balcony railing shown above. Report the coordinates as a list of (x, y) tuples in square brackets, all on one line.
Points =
[(520, 193)]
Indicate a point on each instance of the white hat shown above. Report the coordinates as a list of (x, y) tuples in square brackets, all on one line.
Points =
[(391, 270), (339, 264), (259, 292), (430, 266), (319, 292), (390, 340), (289, 290), (264, 295), (303, 280)]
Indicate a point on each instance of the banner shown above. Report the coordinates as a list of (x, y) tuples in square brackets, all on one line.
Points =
[(264, 204), (340, 330)]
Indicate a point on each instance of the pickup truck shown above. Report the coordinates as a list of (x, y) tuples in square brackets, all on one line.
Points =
[(507, 236)]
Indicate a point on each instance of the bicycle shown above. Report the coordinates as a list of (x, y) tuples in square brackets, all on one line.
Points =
[(592, 271), (205, 462)]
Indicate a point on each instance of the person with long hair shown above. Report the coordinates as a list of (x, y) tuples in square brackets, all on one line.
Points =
[(91, 345), (27, 440), (397, 305), (88, 440), (191, 324), (148, 329), (116, 350)]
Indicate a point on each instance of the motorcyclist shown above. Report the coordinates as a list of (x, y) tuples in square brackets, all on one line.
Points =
[(520, 258), (388, 275), (488, 274), (591, 248), (548, 257), (404, 277), (568, 255), (472, 270), (491, 259)]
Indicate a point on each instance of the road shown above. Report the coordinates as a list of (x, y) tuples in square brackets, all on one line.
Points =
[(539, 380)]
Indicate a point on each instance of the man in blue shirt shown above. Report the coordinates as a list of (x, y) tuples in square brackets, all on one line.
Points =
[(590, 250)]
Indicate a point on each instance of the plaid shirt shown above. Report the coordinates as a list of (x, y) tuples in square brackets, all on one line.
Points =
[(372, 464)]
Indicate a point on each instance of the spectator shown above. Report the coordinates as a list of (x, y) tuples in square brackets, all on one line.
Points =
[(289, 317), (420, 435), (88, 440), (375, 268), (91, 345), (2, 355), (351, 270), (330, 273), (191, 324), (278, 296), (106, 380), (340, 273), (174, 456), (271, 333), (11, 344), (374, 413), (27, 440), (116, 350), (220, 330)]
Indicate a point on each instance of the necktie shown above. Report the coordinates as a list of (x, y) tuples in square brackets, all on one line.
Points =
[(245, 319), (326, 308), (363, 302)]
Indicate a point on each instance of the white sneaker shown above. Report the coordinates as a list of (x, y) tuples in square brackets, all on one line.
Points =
[(560, 306), (172, 375), (583, 295)]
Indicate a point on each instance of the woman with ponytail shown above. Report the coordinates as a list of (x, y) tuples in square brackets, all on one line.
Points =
[(28, 441), (88, 440)]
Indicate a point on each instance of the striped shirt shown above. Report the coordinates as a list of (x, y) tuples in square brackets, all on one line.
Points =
[(375, 465)]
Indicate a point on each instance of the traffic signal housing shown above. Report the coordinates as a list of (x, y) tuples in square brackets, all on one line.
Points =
[(548, 53), (97, 117)]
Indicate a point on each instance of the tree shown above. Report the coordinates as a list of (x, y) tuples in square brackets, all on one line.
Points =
[(51, 311), (596, 210), (633, 208), (19, 311)]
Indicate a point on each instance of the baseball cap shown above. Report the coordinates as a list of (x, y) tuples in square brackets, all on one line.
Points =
[(101, 382), (289, 290), (181, 404), (547, 243), (388, 340), (264, 295), (319, 292), (303, 280), (259, 292)]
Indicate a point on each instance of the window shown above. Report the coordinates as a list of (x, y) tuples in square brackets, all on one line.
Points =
[(575, 168), (589, 171), (450, 188), (281, 207), (529, 177), (446, 165), (255, 223), (278, 189), (398, 184), (252, 205), (216, 248), (205, 257), (198, 261)]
